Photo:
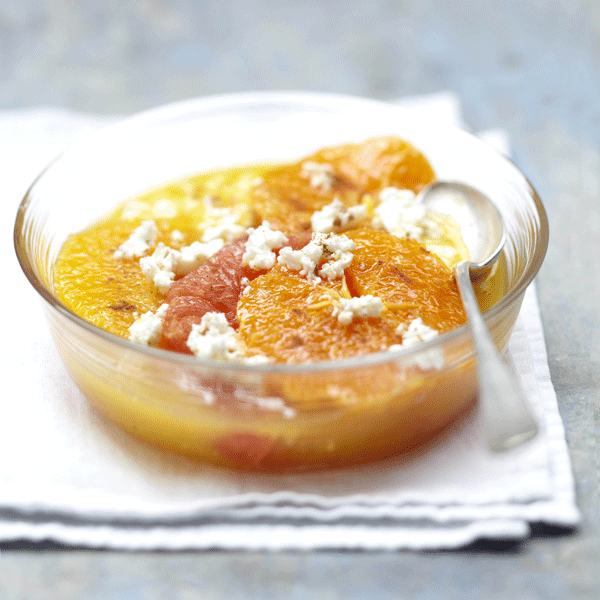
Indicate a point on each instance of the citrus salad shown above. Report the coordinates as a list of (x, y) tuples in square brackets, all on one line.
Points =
[(325, 258)]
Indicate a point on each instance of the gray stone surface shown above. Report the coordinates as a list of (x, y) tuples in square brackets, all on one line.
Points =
[(530, 66)]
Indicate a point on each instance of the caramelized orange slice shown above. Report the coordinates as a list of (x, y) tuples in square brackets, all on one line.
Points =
[(379, 163), (284, 316), (412, 281), (287, 318), (288, 195)]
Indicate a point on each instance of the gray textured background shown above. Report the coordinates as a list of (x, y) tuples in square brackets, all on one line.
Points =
[(530, 66)]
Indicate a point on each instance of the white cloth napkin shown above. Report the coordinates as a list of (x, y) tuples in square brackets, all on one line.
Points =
[(69, 475)]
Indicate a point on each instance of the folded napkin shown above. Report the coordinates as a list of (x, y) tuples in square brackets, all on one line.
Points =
[(69, 475)]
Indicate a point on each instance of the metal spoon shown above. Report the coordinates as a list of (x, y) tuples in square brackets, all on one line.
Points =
[(507, 418)]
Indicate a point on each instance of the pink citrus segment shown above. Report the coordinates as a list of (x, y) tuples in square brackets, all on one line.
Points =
[(214, 287)]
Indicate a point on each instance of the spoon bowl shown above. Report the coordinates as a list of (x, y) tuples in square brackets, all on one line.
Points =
[(481, 223), (507, 418)]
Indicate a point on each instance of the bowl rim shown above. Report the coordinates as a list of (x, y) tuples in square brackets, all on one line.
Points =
[(319, 99)]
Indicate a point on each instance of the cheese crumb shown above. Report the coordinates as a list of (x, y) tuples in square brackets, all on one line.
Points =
[(147, 329), (223, 222), (261, 242), (399, 214), (335, 249), (159, 267), (337, 217), (415, 332), (321, 175), (305, 260), (189, 258), (139, 242), (225, 231), (338, 256), (165, 263), (213, 338), (361, 306)]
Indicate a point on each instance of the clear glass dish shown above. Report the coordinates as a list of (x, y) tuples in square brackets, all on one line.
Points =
[(275, 417)]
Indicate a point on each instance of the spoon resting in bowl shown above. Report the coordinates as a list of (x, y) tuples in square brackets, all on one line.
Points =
[(507, 418)]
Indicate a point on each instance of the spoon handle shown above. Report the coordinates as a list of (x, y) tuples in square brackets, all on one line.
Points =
[(507, 418)]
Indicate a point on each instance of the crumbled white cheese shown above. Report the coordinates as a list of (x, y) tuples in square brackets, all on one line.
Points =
[(213, 338), (337, 217), (139, 242), (189, 258), (147, 329), (321, 175), (221, 222), (260, 245), (305, 260), (159, 267), (177, 236), (225, 231), (165, 263), (360, 306), (338, 256), (399, 213), (415, 332), (334, 248)]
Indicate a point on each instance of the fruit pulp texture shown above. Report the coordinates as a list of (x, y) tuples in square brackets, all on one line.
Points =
[(290, 319)]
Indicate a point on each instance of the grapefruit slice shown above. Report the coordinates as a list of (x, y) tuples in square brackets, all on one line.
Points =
[(214, 287)]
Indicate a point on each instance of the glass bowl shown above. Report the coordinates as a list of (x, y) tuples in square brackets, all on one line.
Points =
[(273, 417)]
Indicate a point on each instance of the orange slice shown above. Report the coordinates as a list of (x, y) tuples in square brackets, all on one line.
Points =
[(284, 316), (412, 281), (379, 163), (287, 196)]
